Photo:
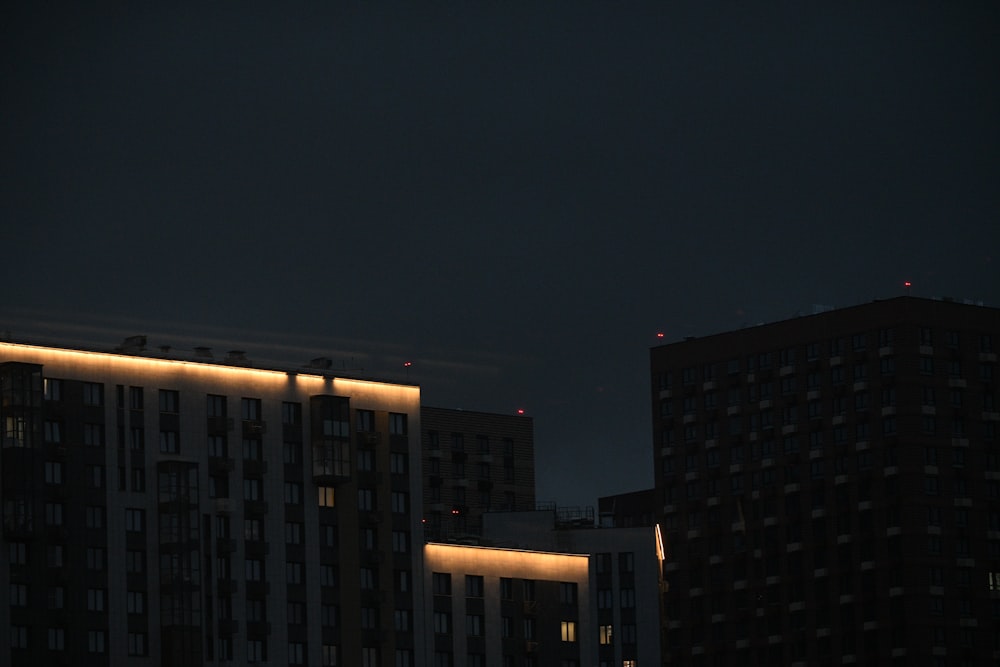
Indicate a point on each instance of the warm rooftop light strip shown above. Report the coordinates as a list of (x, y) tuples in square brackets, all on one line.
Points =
[(94, 358), (504, 549), (511, 562)]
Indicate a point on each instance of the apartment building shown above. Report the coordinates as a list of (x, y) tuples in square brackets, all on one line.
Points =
[(491, 607), (829, 488), (475, 462), (175, 509), (624, 619)]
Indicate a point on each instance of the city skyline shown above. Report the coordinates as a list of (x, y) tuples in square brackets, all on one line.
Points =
[(515, 199)]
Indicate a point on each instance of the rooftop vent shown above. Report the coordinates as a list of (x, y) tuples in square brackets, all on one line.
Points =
[(320, 362), (133, 344), (236, 357)]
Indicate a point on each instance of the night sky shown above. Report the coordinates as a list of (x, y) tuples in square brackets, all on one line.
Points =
[(516, 197)]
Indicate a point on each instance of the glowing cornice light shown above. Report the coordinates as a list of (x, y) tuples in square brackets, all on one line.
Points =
[(515, 562), (85, 363)]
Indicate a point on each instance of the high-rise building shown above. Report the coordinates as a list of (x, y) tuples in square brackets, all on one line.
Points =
[(621, 618), (168, 510), (474, 462), (507, 607), (829, 488)]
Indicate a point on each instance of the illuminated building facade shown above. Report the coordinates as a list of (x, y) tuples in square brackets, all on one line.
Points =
[(475, 462), (830, 488), (169, 511), (626, 622), (491, 607)]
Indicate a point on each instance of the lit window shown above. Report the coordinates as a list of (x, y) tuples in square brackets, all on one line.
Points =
[(606, 635), (326, 496), (568, 631)]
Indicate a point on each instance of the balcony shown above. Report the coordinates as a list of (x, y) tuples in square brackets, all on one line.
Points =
[(218, 465), (254, 427)]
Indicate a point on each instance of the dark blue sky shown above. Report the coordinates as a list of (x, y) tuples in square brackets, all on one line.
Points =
[(515, 196)]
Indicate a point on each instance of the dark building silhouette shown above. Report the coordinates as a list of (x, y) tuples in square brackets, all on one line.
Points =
[(624, 510), (829, 488), (474, 462)]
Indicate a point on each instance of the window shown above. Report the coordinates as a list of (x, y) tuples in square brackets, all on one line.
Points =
[(296, 653), (365, 420), (291, 453), (293, 572), (18, 636), (256, 650), (606, 635), (53, 431), (328, 615), (135, 602), (506, 588), (52, 389), (95, 599), (93, 435), (401, 620), (441, 583), (53, 472), (291, 413), (327, 575), (250, 409), (169, 401), (366, 499), (253, 569), (95, 476), (293, 493), (251, 449), (53, 514), (93, 393), (567, 592), (251, 489), (397, 423), (399, 502), (134, 520), (169, 442), (626, 561), (442, 622), (293, 533), (57, 639), (568, 631), (326, 496), (473, 586), (605, 598), (474, 625), (627, 598), (18, 595), (94, 516), (215, 405)]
